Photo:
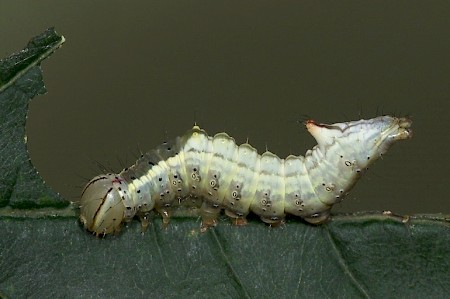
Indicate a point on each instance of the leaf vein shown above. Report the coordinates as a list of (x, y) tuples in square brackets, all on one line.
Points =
[(344, 265), (236, 277)]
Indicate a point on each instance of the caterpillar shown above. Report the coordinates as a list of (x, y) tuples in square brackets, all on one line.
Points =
[(239, 180)]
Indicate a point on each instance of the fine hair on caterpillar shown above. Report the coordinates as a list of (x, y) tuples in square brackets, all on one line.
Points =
[(235, 178)]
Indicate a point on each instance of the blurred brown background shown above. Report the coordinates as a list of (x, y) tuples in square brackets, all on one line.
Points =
[(132, 74)]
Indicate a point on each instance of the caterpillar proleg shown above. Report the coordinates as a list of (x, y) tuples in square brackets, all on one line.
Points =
[(235, 178)]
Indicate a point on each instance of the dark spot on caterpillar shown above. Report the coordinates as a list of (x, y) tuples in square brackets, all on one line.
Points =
[(151, 163), (120, 189), (123, 197), (128, 208), (139, 191), (133, 177), (168, 148), (160, 179), (175, 176), (348, 163)]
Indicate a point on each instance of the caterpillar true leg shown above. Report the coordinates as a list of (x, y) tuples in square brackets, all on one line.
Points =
[(237, 179)]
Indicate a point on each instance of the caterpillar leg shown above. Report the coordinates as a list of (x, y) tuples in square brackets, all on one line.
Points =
[(236, 219), (209, 213), (273, 221), (144, 217), (165, 214), (318, 218)]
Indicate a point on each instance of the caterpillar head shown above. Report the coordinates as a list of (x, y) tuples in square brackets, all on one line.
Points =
[(373, 137), (397, 128), (101, 208), (384, 132)]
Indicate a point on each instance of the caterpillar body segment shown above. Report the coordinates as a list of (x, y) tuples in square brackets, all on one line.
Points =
[(235, 178)]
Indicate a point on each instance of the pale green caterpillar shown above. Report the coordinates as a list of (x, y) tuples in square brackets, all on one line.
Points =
[(238, 179)]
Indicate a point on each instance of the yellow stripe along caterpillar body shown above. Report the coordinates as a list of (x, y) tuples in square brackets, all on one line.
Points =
[(238, 179)]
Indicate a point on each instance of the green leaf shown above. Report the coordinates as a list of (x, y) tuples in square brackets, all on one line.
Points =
[(20, 81), (367, 256), (45, 253)]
